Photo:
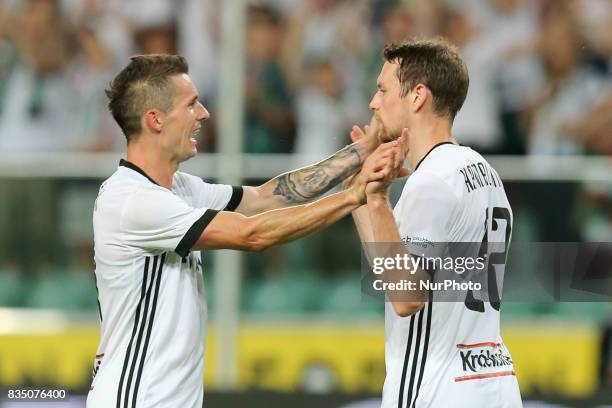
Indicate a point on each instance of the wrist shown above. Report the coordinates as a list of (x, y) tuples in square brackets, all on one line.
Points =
[(367, 145), (357, 194), (377, 199)]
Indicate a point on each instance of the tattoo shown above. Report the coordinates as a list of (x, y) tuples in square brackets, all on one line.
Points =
[(307, 183)]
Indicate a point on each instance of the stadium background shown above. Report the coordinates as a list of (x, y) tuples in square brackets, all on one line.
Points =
[(284, 80)]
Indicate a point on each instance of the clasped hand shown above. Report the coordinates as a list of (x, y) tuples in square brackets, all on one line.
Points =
[(382, 167)]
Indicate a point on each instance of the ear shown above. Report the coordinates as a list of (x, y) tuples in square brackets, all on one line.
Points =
[(420, 94), (154, 120)]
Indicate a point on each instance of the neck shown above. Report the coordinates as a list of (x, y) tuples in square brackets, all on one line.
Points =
[(425, 134), (149, 159)]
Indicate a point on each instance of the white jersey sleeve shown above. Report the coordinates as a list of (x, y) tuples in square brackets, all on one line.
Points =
[(431, 207), (155, 219), (222, 197)]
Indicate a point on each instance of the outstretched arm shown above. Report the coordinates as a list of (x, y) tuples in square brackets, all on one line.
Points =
[(306, 184), (230, 230)]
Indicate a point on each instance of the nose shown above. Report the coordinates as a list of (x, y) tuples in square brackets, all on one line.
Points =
[(203, 113), (374, 105)]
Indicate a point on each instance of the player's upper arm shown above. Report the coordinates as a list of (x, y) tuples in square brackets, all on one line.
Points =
[(426, 212), (221, 197), (258, 199)]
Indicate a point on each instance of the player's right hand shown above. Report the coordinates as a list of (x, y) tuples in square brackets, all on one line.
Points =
[(369, 134), (384, 165), (392, 169)]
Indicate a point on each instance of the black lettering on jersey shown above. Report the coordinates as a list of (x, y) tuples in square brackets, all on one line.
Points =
[(492, 173), (496, 177), (478, 175), (474, 175), (465, 359), (480, 182), (485, 359), (481, 168), (470, 170), (468, 184)]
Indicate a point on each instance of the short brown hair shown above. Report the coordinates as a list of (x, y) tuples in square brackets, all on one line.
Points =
[(143, 84), (436, 63)]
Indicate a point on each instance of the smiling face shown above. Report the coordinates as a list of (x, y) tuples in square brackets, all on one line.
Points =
[(182, 122), (388, 105)]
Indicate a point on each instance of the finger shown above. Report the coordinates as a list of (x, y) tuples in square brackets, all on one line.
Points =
[(356, 133), (386, 160), (404, 172), (386, 146), (397, 158), (405, 136), (376, 176), (378, 166)]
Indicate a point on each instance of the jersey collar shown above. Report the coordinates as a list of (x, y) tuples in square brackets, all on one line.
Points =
[(430, 150), (137, 169)]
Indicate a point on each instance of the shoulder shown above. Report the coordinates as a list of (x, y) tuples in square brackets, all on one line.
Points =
[(151, 205), (117, 188), (150, 195), (188, 186), (443, 159), (185, 180), (148, 200), (430, 185), (447, 165)]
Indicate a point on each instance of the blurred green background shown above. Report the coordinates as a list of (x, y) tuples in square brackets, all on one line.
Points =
[(290, 324)]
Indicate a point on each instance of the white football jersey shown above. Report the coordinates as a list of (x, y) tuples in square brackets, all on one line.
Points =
[(151, 293), (451, 354)]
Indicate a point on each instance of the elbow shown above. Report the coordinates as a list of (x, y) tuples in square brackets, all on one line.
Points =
[(405, 309)]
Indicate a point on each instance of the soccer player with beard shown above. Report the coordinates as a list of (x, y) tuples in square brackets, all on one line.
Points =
[(437, 353)]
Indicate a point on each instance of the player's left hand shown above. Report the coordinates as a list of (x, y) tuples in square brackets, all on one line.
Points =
[(369, 135)]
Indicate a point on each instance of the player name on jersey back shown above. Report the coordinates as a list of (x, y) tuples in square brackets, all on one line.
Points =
[(478, 175)]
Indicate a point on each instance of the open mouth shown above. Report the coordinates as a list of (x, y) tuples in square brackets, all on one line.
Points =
[(195, 134)]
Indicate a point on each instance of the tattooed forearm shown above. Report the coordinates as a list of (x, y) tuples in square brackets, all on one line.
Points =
[(305, 184)]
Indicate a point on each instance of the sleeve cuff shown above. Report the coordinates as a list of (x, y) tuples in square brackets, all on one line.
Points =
[(235, 199), (194, 232)]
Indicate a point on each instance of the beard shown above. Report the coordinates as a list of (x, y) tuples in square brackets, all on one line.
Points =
[(385, 135)]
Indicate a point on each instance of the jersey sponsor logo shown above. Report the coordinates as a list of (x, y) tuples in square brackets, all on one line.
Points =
[(418, 241), (483, 360)]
